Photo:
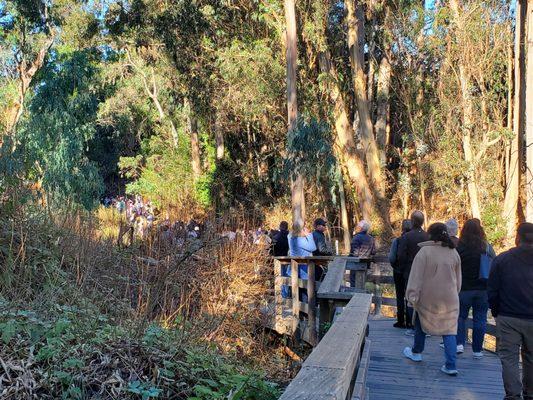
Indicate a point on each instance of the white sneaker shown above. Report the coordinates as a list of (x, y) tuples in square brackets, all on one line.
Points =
[(451, 372), (460, 348), (408, 352), (478, 356), (409, 332)]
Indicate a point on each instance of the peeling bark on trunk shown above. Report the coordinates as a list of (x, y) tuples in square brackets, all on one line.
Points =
[(529, 114), (383, 107), (297, 184), (512, 178), (345, 222), (344, 139), (468, 110)]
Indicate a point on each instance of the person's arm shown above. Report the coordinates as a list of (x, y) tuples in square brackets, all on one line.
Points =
[(416, 278), (490, 251), (322, 247), (355, 245), (307, 243), (393, 251), (458, 273), (493, 289), (402, 251)]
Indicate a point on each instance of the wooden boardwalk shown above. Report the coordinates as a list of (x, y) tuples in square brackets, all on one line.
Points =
[(393, 377)]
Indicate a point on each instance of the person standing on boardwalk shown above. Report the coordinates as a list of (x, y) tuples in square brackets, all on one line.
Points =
[(407, 250), (320, 239), (510, 292), (363, 246), (472, 246), (453, 229), (399, 282), (433, 291), (280, 243)]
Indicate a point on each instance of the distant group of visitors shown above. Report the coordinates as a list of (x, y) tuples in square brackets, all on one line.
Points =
[(439, 277)]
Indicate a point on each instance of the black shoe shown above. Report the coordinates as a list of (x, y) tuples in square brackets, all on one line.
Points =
[(400, 325)]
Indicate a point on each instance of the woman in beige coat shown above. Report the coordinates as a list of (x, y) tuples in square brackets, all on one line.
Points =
[(433, 291)]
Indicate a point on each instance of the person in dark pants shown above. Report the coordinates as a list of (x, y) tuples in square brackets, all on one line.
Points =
[(407, 250), (280, 243), (399, 281), (472, 244), (510, 291)]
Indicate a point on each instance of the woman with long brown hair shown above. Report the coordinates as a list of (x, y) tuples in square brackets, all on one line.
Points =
[(472, 247)]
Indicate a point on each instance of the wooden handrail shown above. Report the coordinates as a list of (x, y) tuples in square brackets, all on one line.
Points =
[(331, 369)]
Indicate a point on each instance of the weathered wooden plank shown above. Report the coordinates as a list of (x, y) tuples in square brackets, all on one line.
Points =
[(328, 372), (360, 391), (311, 304), (334, 277), (295, 296)]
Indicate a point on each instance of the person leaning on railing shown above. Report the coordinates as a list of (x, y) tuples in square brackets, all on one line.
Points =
[(511, 302)]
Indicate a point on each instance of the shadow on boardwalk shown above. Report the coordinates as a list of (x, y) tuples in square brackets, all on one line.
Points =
[(393, 377)]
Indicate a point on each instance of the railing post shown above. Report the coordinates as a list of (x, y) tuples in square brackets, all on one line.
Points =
[(311, 303), (377, 289), (295, 296)]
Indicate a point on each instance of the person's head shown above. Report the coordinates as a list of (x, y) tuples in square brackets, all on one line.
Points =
[(320, 225), (407, 225), (417, 219), (524, 234), (363, 226), (283, 226), (453, 227), (439, 233), (473, 235)]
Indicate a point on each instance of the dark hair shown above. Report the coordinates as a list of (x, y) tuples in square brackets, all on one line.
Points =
[(525, 233), (406, 225), (284, 226), (417, 219), (473, 235), (319, 221), (439, 233)]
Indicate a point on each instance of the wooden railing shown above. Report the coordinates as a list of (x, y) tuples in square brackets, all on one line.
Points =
[(293, 316), (337, 367)]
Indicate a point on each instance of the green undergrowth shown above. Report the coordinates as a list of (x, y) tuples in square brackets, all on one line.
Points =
[(78, 353), (60, 339)]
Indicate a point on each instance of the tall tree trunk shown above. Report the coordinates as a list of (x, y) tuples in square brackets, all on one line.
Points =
[(298, 183), (359, 82), (345, 223), (383, 107), (529, 114), (192, 127), (26, 72), (512, 179), (344, 139), (367, 132), (468, 113)]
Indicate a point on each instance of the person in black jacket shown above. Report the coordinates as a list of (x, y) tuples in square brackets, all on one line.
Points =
[(280, 247), (510, 291), (320, 239), (408, 249), (472, 244), (399, 281)]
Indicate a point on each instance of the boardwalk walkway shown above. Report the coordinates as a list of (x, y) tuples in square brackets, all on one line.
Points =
[(393, 377)]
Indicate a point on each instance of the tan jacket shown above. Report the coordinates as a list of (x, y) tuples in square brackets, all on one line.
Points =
[(433, 288)]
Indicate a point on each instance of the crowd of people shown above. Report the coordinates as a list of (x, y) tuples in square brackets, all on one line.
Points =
[(440, 275)]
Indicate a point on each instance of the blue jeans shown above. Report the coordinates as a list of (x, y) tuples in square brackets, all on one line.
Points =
[(478, 301), (450, 344)]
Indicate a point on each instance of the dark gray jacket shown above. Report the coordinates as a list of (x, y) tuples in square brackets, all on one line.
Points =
[(322, 248), (510, 285), (408, 248)]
